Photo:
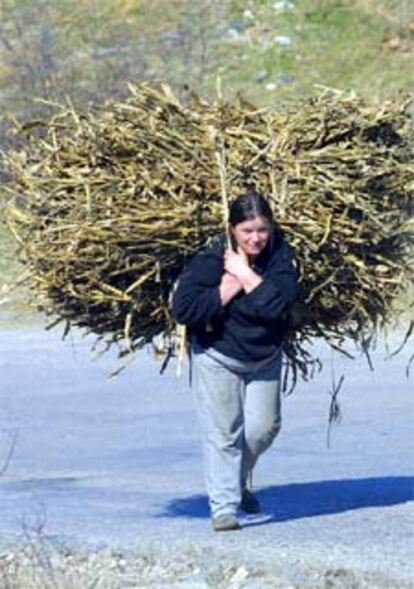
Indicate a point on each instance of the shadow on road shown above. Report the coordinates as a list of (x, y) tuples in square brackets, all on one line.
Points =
[(300, 500)]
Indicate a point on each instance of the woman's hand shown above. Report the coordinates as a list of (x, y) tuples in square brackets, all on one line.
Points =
[(229, 287), (237, 264)]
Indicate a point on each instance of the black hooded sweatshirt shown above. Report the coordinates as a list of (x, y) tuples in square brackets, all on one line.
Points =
[(251, 326)]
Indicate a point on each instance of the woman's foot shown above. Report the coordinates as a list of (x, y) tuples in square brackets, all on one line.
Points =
[(225, 523), (249, 502)]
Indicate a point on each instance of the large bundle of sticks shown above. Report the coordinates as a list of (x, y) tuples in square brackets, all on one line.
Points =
[(108, 205)]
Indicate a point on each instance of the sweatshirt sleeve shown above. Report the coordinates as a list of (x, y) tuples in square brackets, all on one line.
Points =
[(276, 293), (196, 299)]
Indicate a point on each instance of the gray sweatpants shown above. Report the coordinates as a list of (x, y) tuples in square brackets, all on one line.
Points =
[(238, 404)]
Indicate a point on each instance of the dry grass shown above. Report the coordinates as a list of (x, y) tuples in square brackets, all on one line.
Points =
[(108, 206), (43, 564)]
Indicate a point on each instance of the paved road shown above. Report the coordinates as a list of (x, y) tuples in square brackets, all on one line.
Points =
[(117, 462)]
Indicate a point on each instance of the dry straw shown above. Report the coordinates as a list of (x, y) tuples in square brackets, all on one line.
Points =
[(108, 205)]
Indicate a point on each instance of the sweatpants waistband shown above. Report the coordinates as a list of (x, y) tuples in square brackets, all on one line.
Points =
[(271, 365)]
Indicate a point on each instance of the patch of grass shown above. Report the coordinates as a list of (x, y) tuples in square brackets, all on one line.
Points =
[(332, 43), (337, 43), (41, 564)]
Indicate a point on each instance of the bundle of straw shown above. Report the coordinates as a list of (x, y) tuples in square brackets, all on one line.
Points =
[(108, 205)]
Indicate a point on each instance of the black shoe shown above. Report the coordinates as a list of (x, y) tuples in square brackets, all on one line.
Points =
[(249, 503), (225, 523)]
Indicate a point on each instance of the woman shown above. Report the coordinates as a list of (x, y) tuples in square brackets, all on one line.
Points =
[(236, 302)]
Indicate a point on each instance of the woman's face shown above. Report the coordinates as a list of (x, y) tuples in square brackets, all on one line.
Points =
[(252, 235)]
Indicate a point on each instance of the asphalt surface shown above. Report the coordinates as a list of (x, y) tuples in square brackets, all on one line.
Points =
[(103, 462)]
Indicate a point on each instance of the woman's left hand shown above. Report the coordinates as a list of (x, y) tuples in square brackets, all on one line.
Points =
[(236, 263)]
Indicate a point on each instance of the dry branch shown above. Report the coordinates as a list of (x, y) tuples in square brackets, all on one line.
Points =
[(108, 205)]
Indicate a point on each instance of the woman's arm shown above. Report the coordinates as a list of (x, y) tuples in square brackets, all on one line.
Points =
[(271, 295), (229, 287), (197, 298), (279, 288), (237, 265)]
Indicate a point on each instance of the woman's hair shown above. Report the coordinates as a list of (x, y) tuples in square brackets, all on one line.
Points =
[(248, 206)]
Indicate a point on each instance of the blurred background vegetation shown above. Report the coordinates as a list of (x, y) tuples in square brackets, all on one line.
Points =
[(54, 51)]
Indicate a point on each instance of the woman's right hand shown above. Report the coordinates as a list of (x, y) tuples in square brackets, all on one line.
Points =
[(229, 287)]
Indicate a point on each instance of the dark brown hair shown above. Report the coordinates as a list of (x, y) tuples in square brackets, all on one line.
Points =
[(248, 206)]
